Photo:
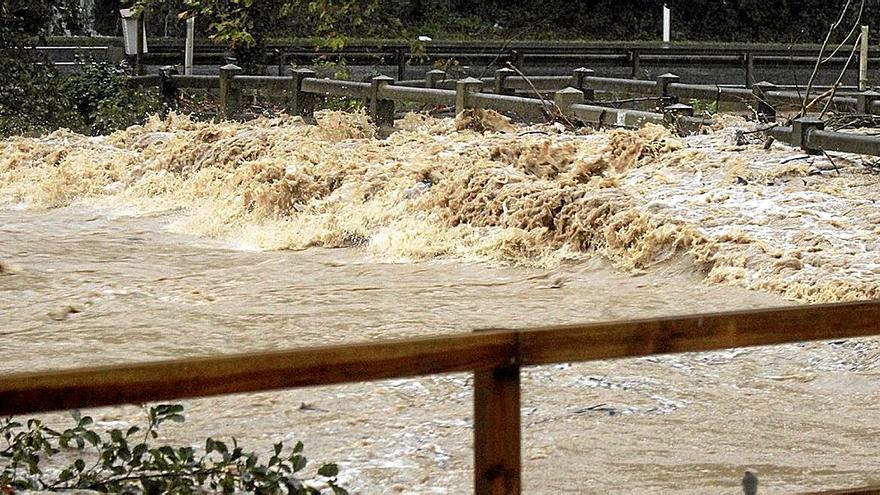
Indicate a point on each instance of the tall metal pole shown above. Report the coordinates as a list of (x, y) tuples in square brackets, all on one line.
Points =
[(667, 31), (863, 61)]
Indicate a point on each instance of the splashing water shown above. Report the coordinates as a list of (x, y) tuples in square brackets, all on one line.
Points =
[(483, 190)]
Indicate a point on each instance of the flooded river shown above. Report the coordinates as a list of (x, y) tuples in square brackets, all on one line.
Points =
[(100, 275)]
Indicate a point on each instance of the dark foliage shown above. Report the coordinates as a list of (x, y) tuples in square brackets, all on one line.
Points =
[(37, 457), (35, 97), (728, 20)]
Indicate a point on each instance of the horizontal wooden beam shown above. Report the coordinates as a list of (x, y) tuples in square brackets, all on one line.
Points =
[(864, 490), (696, 333), (200, 377)]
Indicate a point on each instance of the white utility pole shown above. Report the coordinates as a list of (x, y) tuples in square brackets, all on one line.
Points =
[(188, 51), (863, 61), (667, 31)]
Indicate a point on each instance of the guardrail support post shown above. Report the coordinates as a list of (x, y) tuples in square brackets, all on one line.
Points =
[(749, 62), (463, 89), (433, 78), (565, 98), (800, 132), (865, 100), (635, 58), (401, 63), (497, 451), (578, 81), (139, 45), (167, 89), (663, 82), (501, 76), (302, 103), (282, 62), (381, 111), (230, 93), (765, 111)]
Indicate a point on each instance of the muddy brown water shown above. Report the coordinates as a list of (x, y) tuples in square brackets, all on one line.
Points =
[(94, 287)]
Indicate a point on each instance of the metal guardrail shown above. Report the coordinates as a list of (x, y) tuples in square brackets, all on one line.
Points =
[(635, 55), (494, 356)]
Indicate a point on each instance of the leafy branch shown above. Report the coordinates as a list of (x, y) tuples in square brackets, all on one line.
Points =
[(126, 461)]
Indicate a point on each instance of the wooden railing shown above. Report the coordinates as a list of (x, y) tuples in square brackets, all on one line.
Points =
[(494, 356)]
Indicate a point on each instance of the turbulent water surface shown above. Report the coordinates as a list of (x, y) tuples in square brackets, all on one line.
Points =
[(152, 244)]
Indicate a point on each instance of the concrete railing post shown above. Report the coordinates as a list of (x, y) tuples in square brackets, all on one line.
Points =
[(463, 89), (433, 78), (579, 81), (565, 98), (501, 76), (663, 82), (381, 111), (672, 112), (230, 93), (865, 100), (168, 89), (301, 103), (763, 108), (800, 132)]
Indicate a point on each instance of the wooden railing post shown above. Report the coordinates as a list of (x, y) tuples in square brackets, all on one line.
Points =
[(301, 103), (230, 93), (497, 442), (381, 111), (463, 89)]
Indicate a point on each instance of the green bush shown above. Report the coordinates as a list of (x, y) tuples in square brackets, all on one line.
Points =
[(97, 99), (37, 457)]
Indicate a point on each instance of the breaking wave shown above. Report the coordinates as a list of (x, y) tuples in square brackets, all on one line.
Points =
[(481, 188)]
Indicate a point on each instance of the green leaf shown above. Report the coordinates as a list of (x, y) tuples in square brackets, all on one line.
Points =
[(139, 450), (116, 435), (329, 470), (177, 418), (298, 462), (92, 438), (79, 464)]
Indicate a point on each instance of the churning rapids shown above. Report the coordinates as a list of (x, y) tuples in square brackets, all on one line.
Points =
[(180, 238)]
